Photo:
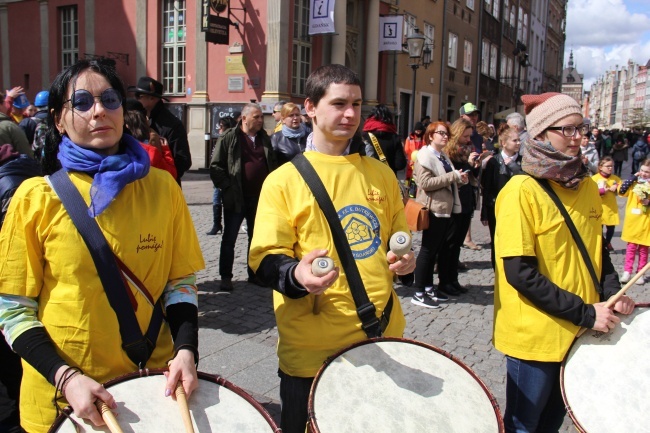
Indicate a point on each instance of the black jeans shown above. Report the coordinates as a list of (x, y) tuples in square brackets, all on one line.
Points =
[(492, 226), (232, 221), (433, 247), (448, 259), (294, 396)]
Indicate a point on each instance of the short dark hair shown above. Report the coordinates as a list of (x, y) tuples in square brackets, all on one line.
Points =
[(136, 123), (320, 80), (59, 95)]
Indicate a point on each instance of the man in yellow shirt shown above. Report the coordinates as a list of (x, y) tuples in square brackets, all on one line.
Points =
[(544, 293), (292, 232)]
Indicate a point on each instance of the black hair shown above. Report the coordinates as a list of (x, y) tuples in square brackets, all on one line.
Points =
[(59, 95), (383, 114), (320, 80)]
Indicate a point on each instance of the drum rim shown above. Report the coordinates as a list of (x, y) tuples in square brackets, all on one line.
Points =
[(214, 378), (312, 422), (575, 421)]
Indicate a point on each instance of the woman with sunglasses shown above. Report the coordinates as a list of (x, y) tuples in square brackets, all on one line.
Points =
[(543, 290), (292, 138), (54, 311), (437, 180)]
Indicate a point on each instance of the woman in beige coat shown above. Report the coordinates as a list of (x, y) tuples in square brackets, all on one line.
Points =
[(437, 182)]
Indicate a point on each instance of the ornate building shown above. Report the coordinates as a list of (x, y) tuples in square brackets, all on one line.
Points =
[(572, 81)]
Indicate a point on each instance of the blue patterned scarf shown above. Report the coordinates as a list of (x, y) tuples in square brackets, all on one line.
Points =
[(110, 173), (294, 133)]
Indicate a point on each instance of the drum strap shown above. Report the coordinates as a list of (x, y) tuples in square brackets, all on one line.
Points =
[(138, 347), (574, 232), (366, 310)]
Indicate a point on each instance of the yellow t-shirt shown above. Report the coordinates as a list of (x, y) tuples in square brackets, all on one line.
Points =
[(148, 226), (636, 226), (610, 207), (290, 222), (529, 224)]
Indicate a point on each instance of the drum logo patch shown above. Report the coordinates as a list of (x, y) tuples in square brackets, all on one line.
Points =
[(361, 227)]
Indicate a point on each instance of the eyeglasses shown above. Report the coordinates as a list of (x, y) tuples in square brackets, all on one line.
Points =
[(83, 100), (570, 130), (442, 133)]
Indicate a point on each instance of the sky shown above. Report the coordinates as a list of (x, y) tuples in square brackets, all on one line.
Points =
[(606, 33)]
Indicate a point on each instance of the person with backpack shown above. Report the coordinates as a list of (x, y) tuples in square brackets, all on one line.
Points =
[(639, 153), (35, 127)]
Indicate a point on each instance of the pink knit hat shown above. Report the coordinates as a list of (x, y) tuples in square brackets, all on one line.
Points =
[(544, 110)]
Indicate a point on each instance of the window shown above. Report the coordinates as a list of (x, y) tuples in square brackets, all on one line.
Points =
[(467, 57), (173, 46), (301, 63), (513, 16), (520, 24), (429, 34), (506, 6), (510, 71), (524, 33), (453, 50), (485, 57), (470, 4), (503, 69), (69, 36), (494, 50), (495, 9), (488, 5), (409, 25)]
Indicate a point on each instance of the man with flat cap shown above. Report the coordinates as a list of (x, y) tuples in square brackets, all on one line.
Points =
[(149, 92)]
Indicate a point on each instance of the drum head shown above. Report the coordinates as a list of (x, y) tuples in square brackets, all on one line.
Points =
[(605, 377), (394, 385), (142, 407)]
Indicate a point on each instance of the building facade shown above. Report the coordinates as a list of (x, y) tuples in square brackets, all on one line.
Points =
[(572, 81), (269, 53)]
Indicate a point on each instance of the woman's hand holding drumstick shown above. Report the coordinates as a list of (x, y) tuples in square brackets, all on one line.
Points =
[(88, 399), (605, 318), (183, 380)]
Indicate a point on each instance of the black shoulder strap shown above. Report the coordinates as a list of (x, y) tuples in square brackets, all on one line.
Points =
[(138, 347), (574, 232), (365, 309)]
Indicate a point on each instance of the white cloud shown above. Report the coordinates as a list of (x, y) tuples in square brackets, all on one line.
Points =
[(603, 34)]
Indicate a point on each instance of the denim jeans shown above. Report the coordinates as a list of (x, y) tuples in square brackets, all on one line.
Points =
[(294, 396), (216, 197), (533, 397), (232, 222)]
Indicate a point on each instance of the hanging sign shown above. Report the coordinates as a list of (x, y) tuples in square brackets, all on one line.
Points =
[(390, 32), (321, 17), (218, 30)]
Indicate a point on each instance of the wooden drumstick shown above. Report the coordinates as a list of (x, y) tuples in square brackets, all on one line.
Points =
[(109, 417), (319, 267), (181, 399), (612, 300), (184, 407)]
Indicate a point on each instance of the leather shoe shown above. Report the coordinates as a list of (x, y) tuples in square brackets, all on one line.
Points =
[(458, 287), (448, 289)]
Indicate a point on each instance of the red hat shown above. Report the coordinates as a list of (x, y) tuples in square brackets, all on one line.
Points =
[(544, 110)]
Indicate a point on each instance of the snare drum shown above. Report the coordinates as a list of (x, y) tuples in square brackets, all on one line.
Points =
[(604, 377), (396, 385), (217, 405)]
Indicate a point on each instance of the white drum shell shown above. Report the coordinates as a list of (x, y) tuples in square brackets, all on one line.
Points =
[(143, 407), (605, 377), (397, 386)]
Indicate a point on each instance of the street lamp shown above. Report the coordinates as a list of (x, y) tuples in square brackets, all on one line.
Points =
[(419, 54)]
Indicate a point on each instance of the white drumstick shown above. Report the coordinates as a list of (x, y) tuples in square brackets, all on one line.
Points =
[(319, 267)]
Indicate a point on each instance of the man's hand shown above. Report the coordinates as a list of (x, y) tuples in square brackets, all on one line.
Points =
[(15, 92), (403, 266), (314, 285)]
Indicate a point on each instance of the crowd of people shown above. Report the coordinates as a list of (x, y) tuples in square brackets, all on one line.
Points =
[(113, 151)]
